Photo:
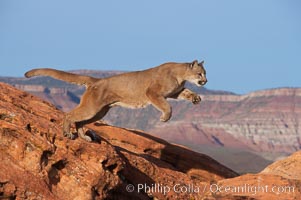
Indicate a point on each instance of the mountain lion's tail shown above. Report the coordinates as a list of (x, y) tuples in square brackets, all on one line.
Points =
[(61, 75)]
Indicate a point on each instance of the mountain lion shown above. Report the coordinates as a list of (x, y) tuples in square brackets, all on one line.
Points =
[(131, 90)]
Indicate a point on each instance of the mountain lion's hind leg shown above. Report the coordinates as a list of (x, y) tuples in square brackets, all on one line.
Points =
[(80, 115), (66, 128), (80, 131), (98, 116), (77, 115)]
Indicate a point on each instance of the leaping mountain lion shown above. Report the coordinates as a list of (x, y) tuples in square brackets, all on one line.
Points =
[(132, 90)]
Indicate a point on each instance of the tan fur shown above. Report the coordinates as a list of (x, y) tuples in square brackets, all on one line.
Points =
[(61, 75), (132, 90)]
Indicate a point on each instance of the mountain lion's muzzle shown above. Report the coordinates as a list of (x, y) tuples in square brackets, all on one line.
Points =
[(202, 82)]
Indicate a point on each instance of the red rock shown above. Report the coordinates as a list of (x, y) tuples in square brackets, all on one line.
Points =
[(289, 167), (280, 180), (257, 187)]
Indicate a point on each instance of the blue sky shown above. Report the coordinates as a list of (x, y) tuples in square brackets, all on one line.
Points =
[(246, 45)]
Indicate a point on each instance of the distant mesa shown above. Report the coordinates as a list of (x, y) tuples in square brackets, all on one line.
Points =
[(40, 88)]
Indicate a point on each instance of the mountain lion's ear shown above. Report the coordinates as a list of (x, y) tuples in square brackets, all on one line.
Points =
[(194, 63), (201, 63)]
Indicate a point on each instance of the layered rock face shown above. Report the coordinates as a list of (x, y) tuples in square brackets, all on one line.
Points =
[(265, 120)]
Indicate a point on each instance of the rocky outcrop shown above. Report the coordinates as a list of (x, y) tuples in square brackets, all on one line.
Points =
[(280, 180), (289, 167), (37, 162), (256, 187)]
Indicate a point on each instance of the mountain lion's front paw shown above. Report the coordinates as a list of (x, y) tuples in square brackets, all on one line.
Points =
[(196, 99)]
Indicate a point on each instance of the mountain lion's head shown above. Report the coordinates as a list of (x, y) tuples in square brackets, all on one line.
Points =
[(196, 73)]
